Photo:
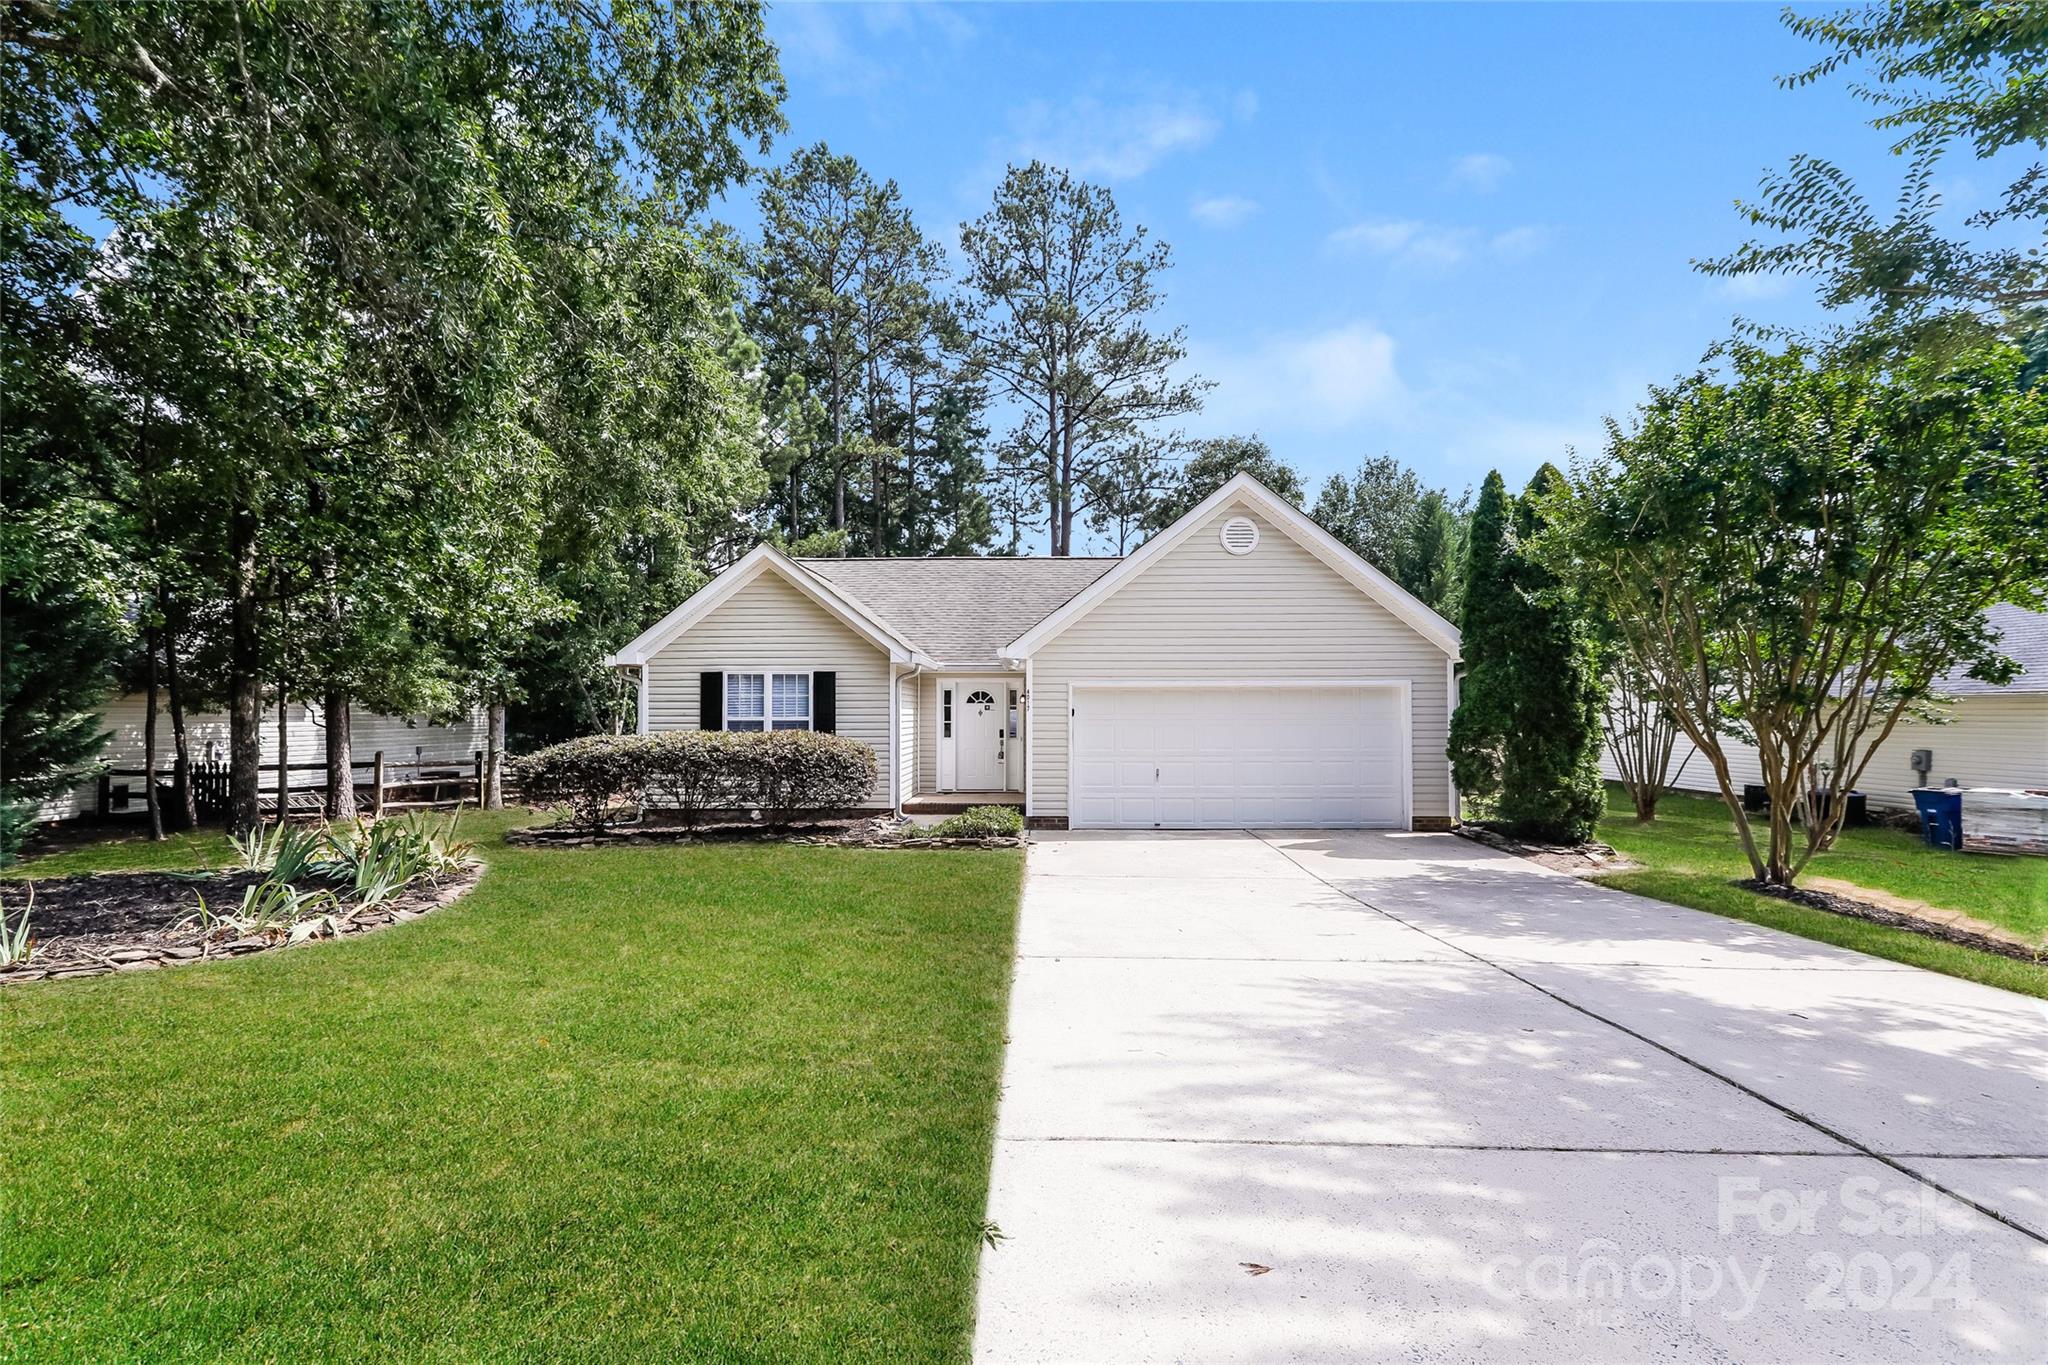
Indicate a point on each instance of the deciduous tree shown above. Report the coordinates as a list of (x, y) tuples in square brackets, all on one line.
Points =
[(1794, 546)]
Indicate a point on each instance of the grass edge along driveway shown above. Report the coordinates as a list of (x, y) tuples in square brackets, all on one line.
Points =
[(722, 1103), (1692, 857)]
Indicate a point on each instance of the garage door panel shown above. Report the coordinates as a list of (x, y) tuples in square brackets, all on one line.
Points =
[(1238, 756)]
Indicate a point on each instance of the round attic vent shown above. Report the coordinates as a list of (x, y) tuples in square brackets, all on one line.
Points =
[(1240, 535)]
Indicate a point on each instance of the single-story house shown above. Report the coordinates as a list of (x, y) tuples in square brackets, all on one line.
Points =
[(1243, 668), (1992, 736)]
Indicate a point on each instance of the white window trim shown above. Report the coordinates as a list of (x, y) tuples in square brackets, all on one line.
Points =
[(767, 716)]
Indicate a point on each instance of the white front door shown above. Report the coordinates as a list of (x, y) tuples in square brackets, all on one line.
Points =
[(1235, 757), (978, 747)]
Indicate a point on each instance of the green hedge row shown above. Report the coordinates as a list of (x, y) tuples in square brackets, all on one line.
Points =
[(773, 776)]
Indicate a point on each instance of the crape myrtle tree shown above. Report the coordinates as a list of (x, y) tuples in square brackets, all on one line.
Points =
[(1793, 546), (358, 215), (1059, 304), (1638, 730)]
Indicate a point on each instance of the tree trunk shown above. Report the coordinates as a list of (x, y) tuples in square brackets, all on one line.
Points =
[(284, 756), (245, 679), (493, 795), (341, 768), (149, 798), (184, 798)]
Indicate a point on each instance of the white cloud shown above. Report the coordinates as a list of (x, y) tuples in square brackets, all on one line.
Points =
[(1119, 134), (1518, 243), (1224, 210), (1428, 245), (1314, 380), (1480, 171), (1404, 239), (821, 45), (1092, 138)]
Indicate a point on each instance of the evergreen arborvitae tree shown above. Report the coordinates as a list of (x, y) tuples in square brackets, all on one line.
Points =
[(1550, 760), (1489, 624)]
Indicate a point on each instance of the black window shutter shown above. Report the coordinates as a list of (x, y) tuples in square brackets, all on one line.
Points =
[(710, 701), (825, 703)]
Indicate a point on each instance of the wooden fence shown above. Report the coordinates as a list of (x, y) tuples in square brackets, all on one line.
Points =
[(416, 782)]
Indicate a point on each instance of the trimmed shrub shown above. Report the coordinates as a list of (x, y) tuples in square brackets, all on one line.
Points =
[(592, 776), (786, 773), (976, 822), (780, 774)]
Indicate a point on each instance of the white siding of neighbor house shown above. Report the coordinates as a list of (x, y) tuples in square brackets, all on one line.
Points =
[(1989, 741), (767, 626), (402, 738), (1277, 614)]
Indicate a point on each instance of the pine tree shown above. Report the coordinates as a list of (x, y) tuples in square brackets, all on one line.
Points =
[(1489, 626), (1550, 760)]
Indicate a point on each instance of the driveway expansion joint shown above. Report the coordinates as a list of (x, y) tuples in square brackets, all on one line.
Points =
[(1787, 1110)]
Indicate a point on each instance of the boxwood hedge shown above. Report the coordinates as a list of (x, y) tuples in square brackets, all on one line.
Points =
[(774, 777)]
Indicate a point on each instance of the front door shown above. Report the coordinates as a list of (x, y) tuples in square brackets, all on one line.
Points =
[(978, 748)]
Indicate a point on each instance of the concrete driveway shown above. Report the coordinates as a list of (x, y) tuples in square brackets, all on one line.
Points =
[(1354, 1097)]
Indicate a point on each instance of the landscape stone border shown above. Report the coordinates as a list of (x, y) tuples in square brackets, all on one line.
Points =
[(1950, 927), (409, 906)]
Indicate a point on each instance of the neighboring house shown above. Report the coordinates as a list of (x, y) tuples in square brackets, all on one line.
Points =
[(1243, 668), (404, 740), (1994, 736)]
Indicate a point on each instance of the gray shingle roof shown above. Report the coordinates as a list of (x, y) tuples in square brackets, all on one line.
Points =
[(961, 610), (2024, 640)]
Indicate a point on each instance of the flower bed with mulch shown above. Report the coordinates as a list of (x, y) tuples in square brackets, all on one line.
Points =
[(1588, 859), (1949, 926), (138, 921)]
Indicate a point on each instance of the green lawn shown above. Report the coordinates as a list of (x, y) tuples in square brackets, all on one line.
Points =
[(1691, 856), (129, 852), (730, 1103)]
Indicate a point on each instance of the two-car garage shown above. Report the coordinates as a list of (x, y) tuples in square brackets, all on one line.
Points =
[(1239, 755)]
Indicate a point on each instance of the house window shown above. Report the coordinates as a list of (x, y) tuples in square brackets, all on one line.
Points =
[(790, 702), (945, 713), (767, 701), (745, 698), (1013, 713), (981, 699)]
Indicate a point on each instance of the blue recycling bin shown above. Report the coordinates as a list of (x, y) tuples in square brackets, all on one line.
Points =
[(1941, 816)]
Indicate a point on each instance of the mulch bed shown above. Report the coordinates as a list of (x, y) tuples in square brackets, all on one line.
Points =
[(876, 832), (1877, 914), (1580, 860), (138, 921)]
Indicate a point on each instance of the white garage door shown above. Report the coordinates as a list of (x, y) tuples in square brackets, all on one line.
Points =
[(1237, 757)]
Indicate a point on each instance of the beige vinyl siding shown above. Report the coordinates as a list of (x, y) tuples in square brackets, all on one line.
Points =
[(1278, 614), (1989, 741), (906, 736), (769, 626), (927, 733)]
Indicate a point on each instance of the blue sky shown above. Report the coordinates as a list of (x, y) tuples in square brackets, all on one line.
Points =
[(1455, 234)]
